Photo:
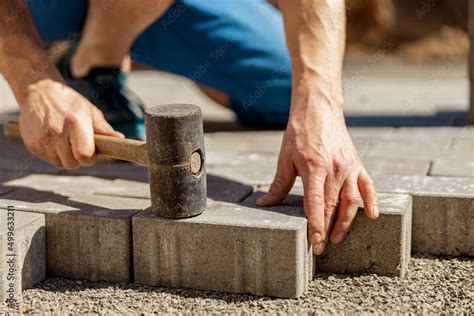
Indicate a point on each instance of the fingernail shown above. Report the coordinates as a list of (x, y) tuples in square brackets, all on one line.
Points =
[(320, 248), (316, 239), (376, 210), (338, 238), (261, 200)]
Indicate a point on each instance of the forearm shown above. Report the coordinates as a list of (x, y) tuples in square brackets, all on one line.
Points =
[(317, 146), (315, 31), (23, 58)]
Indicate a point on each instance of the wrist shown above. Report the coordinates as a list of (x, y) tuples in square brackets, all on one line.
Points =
[(308, 82), (316, 96), (23, 72), (19, 45)]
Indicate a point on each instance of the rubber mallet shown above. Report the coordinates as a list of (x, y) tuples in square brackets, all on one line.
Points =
[(174, 153)]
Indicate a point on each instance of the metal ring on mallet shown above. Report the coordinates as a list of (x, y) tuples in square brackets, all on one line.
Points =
[(176, 160)]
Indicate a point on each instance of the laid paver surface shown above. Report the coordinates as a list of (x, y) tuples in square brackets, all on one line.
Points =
[(452, 167), (443, 211), (402, 125)]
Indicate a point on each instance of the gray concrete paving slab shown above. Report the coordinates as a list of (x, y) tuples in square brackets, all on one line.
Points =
[(229, 247), (425, 185), (384, 133), (259, 142), (15, 161), (396, 166), (236, 159), (409, 150), (4, 190), (433, 134), (4, 178), (88, 236), (23, 252), (443, 212), (225, 190), (381, 247), (112, 170), (60, 183), (218, 189), (252, 169), (404, 96), (462, 149), (443, 225), (229, 146), (452, 168), (125, 188), (390, 152)]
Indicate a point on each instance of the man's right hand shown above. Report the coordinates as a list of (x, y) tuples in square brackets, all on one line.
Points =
[(58, 124)]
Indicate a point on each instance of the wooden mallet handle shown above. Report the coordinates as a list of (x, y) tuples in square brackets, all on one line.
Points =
[(106, 146)]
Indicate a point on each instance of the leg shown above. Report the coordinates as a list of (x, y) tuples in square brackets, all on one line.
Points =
[(217, 96), (92, 68), (111, 28), (68, 17), (215, 43), (105, 29), (98, 44), (237, 47)]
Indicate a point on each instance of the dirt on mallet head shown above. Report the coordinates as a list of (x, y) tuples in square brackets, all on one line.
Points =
[(176, 160)]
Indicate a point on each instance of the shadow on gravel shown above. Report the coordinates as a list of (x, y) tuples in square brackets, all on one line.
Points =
[(55, 285), (60, 285)]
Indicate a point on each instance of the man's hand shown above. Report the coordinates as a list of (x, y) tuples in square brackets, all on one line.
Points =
[(57, 124), (318, 148)]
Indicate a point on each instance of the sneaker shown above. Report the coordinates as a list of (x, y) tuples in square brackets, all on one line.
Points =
[(105, 88)]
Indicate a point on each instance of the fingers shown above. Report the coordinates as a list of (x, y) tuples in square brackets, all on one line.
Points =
[(42, 150), (64, 152), (332, 187), (313, 182), (349, 202), (281, 185), (49, 157), (80, 135), (101, 126), (369, 195)]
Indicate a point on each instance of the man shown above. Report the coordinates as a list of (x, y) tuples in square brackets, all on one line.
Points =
[(234, 49)]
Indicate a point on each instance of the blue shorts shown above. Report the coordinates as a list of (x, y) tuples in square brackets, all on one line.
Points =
[(235, 46)]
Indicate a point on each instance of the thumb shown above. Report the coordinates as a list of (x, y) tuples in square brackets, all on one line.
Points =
[(281, 186), (101, 126)]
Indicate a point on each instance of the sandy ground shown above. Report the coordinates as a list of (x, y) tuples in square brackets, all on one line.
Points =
[(433, 285)]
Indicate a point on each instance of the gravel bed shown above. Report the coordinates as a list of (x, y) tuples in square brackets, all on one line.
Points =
[(433, 285)]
